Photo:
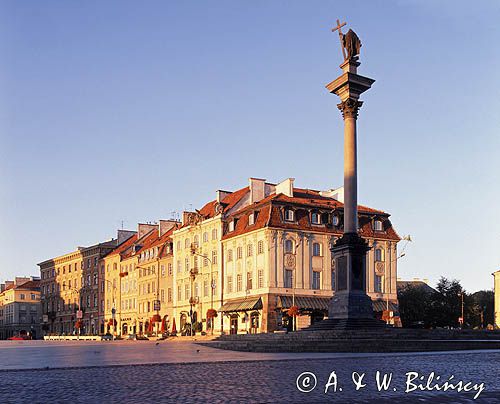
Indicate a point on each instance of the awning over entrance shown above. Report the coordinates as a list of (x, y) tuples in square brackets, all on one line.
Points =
[(381, 305), (304, 302), (233, 306)]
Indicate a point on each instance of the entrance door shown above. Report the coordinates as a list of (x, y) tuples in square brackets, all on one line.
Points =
[(234, 324)]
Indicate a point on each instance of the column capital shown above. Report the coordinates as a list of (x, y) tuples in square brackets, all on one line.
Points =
[(349, 108)]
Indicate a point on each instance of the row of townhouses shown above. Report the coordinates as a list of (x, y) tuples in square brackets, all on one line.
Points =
[(236, 265)]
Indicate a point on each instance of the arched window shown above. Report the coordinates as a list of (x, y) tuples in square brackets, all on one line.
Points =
[(187, 243), (196, 240), (379, 254), (317, 249), (288, 246), (205, 237), (289, 215), (315, 218), (378, 225), (178, 246)]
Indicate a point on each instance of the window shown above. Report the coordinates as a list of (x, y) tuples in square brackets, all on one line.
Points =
[(379, 254), (163, 273), (196, 290), (214, 257), (178, 246), (315, 218), (95, 278), (179, 292), (179, 266), (377, 225), (249, 250), (187, 243), (239, 253), (378, 284), (187, 291), (205, 288), (335, 220), (186, 264), (22, 296), (196, 240), (260, 278), (229, 284), (333, 280), (289, 215), (95, 301), (205, 237), (260, 247), (251, 219), (169, 269), (316, 280), (214, 234), (317, 249), (231, 225), (239, 283), (229, 255), (288, 278), (249, 280), (195, 262), (288, 246), (162, 293), (169, 294)]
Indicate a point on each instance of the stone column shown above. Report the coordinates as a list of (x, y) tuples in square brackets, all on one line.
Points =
[(350, 307), (349, 109)]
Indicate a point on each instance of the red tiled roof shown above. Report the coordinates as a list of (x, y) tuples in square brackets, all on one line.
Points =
[(123, 246), (270, 216), (30, 285)]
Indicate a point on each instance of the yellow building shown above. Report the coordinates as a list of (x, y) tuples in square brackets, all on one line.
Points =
[(267, 247), (20, 309), (138, 278), (71, 288)]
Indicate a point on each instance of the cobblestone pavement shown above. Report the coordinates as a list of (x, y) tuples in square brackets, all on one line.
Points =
[(255, 381)]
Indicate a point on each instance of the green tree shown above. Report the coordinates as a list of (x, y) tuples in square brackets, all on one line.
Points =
[(414, 305), (446, 303)]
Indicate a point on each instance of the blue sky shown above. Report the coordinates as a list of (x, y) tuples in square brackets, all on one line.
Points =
[(127, 111)]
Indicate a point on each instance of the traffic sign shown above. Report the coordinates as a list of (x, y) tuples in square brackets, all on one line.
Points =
[(79, 314), (156, 305)]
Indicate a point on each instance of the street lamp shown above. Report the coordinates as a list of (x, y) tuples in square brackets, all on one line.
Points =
[(212, 283), (113, 310)]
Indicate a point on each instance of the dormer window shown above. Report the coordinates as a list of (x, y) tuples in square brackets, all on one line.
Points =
[(335, 220), (315, 218), (289, 215), (377, 225), (251, 219), (232, 224)]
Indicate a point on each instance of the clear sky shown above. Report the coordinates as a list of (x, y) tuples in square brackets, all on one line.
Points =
[(127, 111)]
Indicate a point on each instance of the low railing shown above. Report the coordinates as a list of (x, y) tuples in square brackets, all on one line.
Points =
[(72, 338)]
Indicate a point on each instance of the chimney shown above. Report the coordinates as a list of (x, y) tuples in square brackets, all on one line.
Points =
[(124, 235), (221, 195), (166, 225), (257, 187), (145, 228), (337, 194), (285, 187)]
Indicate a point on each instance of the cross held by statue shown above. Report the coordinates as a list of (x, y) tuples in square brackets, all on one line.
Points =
[(341, 36)]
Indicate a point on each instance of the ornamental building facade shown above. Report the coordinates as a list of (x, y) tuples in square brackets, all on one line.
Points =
[(237, 265)]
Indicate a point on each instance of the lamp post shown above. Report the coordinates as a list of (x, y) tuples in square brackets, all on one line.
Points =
[(113, 310), (212, 283)]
